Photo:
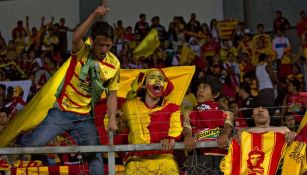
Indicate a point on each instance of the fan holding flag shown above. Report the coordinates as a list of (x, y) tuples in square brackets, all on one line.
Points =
[(258, 150), (92, 70)]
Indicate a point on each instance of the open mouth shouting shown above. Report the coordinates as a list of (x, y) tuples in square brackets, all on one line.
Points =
[(157, 87), (155, 90)]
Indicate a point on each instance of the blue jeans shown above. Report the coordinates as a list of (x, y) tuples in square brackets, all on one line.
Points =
[(82, 129)]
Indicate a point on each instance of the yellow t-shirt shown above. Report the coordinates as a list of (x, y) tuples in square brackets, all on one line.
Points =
[(76, 96), (139, 117)]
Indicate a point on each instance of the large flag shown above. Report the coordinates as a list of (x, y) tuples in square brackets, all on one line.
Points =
[(295, 157), (296, 154), (187, 55), (257, 154), (181, 77), (148, 45), (36, 110)]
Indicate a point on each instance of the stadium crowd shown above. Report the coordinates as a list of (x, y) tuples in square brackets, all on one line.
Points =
[(252, 68)]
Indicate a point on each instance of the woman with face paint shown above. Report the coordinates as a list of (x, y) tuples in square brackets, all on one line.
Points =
[(152, 119)]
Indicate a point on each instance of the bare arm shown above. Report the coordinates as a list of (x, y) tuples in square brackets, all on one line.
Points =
[(189, 140), (269, 70), (79, 33), (187, 129), (223, 138), (112, 108)]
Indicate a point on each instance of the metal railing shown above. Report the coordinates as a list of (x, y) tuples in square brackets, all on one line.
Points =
[(110, 149)]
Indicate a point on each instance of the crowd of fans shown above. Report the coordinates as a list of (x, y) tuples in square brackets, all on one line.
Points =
[(259, 67)]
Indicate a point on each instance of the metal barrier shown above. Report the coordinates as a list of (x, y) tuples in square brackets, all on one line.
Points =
[(110, 149)]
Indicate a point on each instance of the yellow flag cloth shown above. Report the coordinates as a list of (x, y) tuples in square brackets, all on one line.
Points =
[(258, 153), (304, 120), (48, 170), (187, 55), (148, 45), (295, 156), (176, 74), (36, 110), (266, 37)]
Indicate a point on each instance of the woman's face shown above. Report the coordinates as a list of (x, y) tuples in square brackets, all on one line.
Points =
[(155, 82)]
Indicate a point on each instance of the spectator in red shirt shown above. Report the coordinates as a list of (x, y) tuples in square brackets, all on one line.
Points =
[(128, 35), (141, 27), (19, 28), (280, 22), (301, 25), (211, 47)]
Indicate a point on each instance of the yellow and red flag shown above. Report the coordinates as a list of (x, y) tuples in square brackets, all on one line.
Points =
[(50, 170), (295, 157), (226, 28), (179, 75), (36, 110), (148, 45), (187, 55), (258, 153)]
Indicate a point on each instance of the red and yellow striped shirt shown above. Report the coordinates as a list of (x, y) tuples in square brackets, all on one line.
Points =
[(75, 96), (258, 154)]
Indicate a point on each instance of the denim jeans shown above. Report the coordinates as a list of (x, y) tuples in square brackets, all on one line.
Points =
[(82, 129)]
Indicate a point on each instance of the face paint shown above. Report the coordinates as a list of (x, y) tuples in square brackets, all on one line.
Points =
[(155, 84)]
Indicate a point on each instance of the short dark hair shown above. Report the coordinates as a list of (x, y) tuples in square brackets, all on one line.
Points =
[(5, 109), (296, 83), (271, 109), (142, 15), (262, 57), (302, 58), (213, 82), (155, 18), (19, 23), (278, 11), (289, 114), (3, 86), (302, 12), (246, 87), (260, 25), (101, 28)]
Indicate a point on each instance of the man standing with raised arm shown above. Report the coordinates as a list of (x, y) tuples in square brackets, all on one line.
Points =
[(93, 69)]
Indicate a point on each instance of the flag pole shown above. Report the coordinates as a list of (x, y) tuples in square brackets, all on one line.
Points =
[(111, 154)]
